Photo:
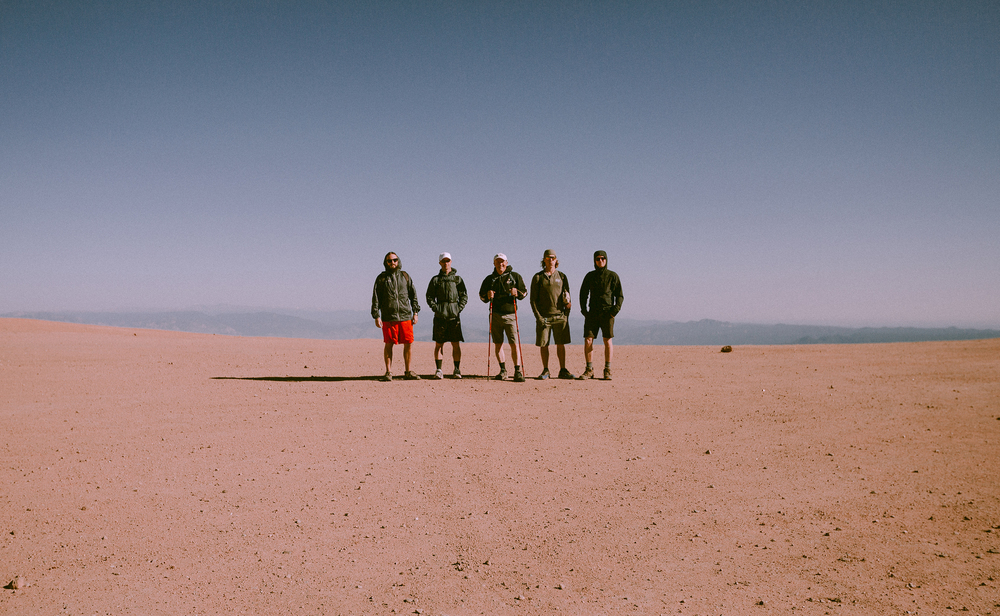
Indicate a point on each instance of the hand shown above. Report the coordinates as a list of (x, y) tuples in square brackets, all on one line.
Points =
[(489, 295), (378, 322), (514, 292), (414, 318)]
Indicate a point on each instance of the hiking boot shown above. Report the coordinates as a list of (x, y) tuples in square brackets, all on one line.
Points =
[(457, 375), (587, 374), (387, 377), (607, 374), (518, 376), (501, 376), (565, 374), (438, 374), (544, 375), (411, 376)]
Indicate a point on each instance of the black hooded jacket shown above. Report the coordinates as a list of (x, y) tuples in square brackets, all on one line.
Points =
[(604, 289), (501, 284)]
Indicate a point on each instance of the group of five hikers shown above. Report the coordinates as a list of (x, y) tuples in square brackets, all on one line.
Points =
[(395, 308)]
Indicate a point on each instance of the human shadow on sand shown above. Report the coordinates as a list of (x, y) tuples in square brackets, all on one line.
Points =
[(333, 379)]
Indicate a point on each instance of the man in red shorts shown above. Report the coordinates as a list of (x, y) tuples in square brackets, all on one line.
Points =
[(395, 308)]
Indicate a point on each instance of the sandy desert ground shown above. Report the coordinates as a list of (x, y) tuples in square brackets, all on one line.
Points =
[(149, 472)]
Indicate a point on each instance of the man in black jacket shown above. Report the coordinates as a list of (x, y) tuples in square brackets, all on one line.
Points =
[(395, 308), (446, 295), (501, 289), (604, 289)]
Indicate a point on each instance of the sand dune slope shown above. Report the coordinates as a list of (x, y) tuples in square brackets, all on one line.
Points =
[(148, 472)]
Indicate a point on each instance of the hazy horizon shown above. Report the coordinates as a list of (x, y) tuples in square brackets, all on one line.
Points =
[(833, 164), (471, 314)]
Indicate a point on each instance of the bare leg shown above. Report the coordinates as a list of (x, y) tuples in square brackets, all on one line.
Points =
[(588, 349), (387, 353), (439, 350), (513, 354), (561, 354), (406, 355), (609, 349), (456, 351), (545, 357), (498, 347)]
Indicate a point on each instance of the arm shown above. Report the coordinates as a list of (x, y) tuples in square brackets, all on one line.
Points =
[(584, 292), (519, 285), (463, 296), (484, 290), (535, 284), (619, 297), (567, 293), (431, 300), (375, 305), (411, 292)]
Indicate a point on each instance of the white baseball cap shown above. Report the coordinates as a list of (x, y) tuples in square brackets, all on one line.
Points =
[(500, 256), (443, 256)]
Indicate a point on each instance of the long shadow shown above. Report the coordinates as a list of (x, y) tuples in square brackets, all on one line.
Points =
[(331, 379)]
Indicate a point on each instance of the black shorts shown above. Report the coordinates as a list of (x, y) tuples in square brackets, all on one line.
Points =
[(447, 330), (593, 324)]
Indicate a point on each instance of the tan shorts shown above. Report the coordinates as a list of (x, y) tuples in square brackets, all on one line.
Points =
[(503, 323), (556, 328)]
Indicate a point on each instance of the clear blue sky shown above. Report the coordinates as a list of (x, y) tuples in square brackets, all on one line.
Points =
[(820, 162)]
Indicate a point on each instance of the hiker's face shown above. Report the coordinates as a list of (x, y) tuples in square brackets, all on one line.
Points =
[(446, 266), (500, 265), (392, 261)]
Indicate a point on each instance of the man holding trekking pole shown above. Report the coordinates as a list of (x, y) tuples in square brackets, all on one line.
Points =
[(501, 289)]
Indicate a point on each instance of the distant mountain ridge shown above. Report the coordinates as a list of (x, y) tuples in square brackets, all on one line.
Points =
[(353, 324)]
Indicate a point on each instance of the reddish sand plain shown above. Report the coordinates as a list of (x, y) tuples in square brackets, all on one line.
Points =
[(150, 472)]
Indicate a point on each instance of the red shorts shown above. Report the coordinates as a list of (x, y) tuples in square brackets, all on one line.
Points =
[(397, 332)]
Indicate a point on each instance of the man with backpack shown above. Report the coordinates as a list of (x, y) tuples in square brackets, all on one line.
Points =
[(550, 301), (501, 290), (446, 295)]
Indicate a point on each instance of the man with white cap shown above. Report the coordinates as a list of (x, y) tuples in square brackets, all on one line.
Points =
[(446, 295), (501, 289)]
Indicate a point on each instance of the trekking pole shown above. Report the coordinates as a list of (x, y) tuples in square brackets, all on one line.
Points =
[(517, 329), (489, 340)]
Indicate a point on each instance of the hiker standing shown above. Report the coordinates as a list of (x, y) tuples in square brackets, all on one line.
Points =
[(447, 297), (501, 289), (550, 301), (604, 289), (395, 308)]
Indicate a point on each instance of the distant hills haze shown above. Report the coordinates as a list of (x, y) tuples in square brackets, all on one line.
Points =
[(353, 324)]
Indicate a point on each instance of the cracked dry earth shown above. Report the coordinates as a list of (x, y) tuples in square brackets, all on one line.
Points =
[(150, 472)]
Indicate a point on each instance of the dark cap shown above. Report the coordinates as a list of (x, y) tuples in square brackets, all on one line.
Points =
[(600, 253)]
